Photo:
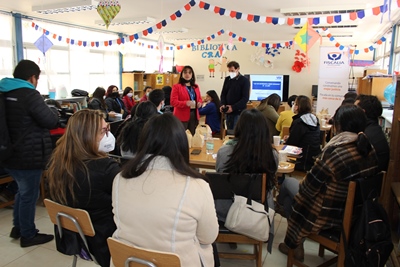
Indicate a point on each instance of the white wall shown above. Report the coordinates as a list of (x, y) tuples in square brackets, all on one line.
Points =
[(299, 83)]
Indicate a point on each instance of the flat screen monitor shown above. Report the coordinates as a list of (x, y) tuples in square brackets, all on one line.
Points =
[(263, 85), (314, 90)]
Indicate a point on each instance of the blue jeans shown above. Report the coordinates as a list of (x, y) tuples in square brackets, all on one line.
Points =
[(231, 121), (25, 200), (288, 189)]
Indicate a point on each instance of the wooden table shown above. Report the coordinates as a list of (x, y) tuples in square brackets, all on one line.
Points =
[(324, 131), (208, 162)]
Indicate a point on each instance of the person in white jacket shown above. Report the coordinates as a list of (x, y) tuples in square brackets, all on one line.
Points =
[(160, 202)]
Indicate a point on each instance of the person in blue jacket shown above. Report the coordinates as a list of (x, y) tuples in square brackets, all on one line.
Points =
[(29, 120), (211, 110)]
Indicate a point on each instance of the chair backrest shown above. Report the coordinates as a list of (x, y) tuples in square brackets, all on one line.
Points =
[(223, 185), (285, 131), (369, 187), (124, 255), (61, 216)]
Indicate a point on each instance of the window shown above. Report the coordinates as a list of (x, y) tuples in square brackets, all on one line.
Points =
[(72, 66), (6, 48)]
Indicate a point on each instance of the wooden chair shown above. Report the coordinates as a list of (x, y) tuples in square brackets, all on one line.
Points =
[(76, 220), (124, 255), (285, 131), (222, 133), (333, 239), (223, 185)]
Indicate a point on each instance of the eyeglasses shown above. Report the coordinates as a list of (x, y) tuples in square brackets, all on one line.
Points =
[(105, 130)]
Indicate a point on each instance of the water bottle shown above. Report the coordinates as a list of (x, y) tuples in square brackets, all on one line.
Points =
[(209, 145)]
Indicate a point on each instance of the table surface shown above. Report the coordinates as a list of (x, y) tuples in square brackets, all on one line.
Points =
[(203, 160)]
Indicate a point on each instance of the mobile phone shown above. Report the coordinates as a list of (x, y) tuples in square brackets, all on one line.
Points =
[(196, 151)]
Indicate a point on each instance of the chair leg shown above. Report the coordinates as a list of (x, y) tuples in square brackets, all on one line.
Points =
[(321, 251), (290, 258), (258, 248), (74, 261)]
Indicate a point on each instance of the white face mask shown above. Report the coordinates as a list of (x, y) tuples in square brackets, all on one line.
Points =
[(147, 94), (104, 97), (293, 108), (107, 143), (129, 94), (232, 74)]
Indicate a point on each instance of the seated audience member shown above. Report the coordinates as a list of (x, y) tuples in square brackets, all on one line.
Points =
[(269, 107), (320, 198), (84, 177), (160, 202), (286, 117), (249, 152), (127, 98), (373, 109), (304, 132), (211, 110), (167, 108), (145, 96), (114, 102), (97, 103), (128, 139), (157, 97), (350, 95)]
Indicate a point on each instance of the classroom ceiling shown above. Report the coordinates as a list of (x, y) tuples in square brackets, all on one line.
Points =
[(201, 23)]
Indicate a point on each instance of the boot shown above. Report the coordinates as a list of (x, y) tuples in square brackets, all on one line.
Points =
[(298, 252)]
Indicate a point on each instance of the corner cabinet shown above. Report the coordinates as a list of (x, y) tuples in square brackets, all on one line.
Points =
[(138, 81), (391, 200)]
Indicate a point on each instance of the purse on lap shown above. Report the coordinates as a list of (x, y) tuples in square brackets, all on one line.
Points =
[(248, 217)]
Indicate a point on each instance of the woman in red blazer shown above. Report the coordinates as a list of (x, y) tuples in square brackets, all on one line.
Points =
[(127, 98), (186, 99)]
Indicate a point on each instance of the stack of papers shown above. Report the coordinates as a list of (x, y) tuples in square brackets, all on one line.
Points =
[(292, 150)]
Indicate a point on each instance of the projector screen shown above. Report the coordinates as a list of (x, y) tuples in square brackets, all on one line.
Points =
[(263, 85)]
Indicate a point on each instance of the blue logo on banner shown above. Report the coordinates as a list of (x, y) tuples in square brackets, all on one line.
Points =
[(334, 56)]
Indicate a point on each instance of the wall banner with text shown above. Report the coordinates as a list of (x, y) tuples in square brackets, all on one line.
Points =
[(333, 79)]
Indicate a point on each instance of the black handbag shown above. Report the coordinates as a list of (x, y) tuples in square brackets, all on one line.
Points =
[(79, 92)]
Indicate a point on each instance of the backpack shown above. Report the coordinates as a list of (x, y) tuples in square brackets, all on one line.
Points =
[(370, 242), (6, 147)]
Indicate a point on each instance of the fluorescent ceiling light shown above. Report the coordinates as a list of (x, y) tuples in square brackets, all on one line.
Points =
[(329, 26), (71, 6), (320, 10), (127, 21), (180, 30)]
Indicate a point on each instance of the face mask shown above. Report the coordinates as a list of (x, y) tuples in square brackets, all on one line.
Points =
[(114, 94), (107, 143), (293, 108), (147, 94), (104, 97), (187, 81), (232, 74), (129, 94), (162, 106)]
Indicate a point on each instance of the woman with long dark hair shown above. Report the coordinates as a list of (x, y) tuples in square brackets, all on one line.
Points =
[(160, 202), (319, 201), (269, 107), (128, 139), (305, 133), (127, 98), (114, 102), (249, 152), (211, 110), (186, 99), (81, 175)]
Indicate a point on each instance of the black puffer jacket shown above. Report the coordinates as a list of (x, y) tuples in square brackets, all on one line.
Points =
[(28, 115), (305, 133)]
